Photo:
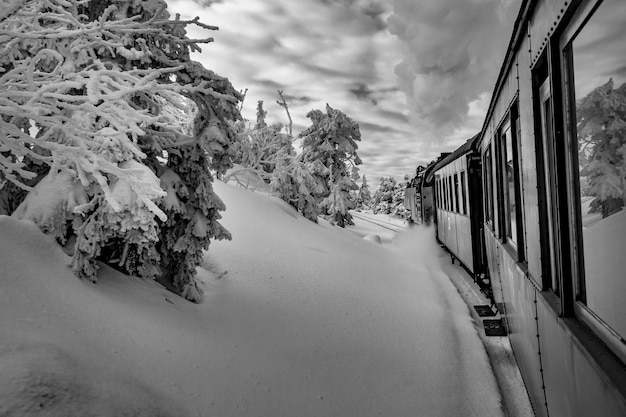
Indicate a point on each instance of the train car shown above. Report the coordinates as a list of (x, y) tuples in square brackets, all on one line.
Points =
[(426, 185), (553, 150), (457, 189)]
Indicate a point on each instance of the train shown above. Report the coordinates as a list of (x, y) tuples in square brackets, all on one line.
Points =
[(533, 205)]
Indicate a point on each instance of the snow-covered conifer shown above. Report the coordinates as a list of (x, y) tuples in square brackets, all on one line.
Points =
[(329, 150), (293, 183), (103, 92), (364, 196)]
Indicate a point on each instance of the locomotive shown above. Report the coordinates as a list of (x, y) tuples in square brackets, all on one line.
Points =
[(533, 205)]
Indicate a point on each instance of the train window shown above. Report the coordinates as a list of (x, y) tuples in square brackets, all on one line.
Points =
[(596, 57), (456, 193), (442, 194), (463, 194), (488, 164), (439, 195), (451, 188), (440, 191), (446, 190), (509, 183), (444, 202), (546, 164)]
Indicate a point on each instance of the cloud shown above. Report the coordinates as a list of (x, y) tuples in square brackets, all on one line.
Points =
[(340, 52), (452, 53)]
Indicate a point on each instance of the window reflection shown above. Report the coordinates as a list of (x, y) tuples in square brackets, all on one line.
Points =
[(510, 218), (599, 71)]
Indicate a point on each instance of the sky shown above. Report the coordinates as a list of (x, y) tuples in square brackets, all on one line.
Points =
[(416, 75)]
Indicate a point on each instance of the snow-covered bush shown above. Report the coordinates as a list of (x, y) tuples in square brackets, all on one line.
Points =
[(101, 97)]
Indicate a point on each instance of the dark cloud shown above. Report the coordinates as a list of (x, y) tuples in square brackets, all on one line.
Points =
[(374, 10), (270, 84), (207, 3), (297, 100), (394, 116), (324, 71), (378, 128), (363, 92)]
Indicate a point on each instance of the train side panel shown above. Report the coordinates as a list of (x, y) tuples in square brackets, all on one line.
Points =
[(453, 227), (567, 371)]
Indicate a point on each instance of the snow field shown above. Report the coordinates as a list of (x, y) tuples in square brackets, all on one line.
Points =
[(299, 319)]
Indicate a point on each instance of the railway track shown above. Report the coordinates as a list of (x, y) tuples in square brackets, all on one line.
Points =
[(380, 223)]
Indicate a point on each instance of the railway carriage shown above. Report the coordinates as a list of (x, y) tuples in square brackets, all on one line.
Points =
[(553, 163), (459, 211), (553, 194)]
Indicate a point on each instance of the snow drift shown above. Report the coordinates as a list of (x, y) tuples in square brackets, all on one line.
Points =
[(299, 319)]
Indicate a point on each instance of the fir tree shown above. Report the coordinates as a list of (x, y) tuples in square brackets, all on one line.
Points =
[(364, 196), (103, 94), (258, 148), (329, 149)]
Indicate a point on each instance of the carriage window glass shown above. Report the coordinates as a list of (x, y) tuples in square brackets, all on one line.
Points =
[(463, 194), (439, 198), (439, 194), (451, 193), (509, 184), (456, 192), (488, 187), (548, 165), (599, 84), (443, 194)]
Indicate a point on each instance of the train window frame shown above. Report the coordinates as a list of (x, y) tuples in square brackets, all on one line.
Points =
[(455, 182), (444, 190), (611, 338), (442, 194), (546, 136), (450, 194), (463, 193), (440, 191), (511, 208), (488, 184)]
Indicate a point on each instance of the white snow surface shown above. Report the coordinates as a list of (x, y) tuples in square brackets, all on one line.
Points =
[(299, 319)]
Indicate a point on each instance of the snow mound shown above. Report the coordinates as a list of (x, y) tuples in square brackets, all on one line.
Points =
[(43, 379), (301, 325), (373, 238)]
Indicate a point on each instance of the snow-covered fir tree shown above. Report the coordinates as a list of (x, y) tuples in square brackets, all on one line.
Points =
[(329, 152), (364, 196), (293, 183), (110, 129), (259, 147), (389, 197), (601, 122)]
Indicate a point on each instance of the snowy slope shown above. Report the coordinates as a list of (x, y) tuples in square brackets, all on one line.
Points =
[(306, 320)]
